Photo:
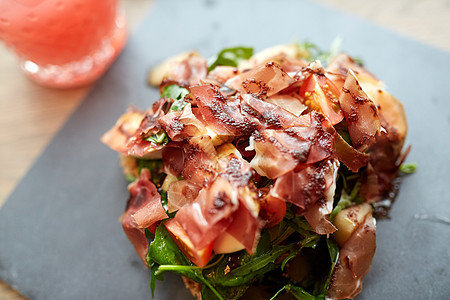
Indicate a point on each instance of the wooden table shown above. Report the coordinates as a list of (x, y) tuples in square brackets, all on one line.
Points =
[(30, 115)]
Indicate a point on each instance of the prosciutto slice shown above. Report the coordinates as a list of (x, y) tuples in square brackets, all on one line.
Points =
[(222, 115), (317, 214), (117, 137), (187, 72), (354, 261), (271, 115), (280, 151), (210, 215), (180, 125), (305, 187), (360, 113), (144, 209), (265, 80)]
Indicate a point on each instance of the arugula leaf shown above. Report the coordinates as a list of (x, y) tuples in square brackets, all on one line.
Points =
[(321, 287), (408, 168), (296, 291), (231, 57), (159, 138), (229, 293), (333, 251)]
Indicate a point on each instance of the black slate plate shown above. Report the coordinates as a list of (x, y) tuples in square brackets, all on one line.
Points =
[(59, 235)]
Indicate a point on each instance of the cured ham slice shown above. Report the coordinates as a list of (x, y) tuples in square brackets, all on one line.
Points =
[(144, 209), (354, 261), (222, 115), (117, 137), (265, 80), (186, 72), (210, 215), (280, 151), (317, 214), (360, 113), (181, 125), (305, 187), (271, 115)]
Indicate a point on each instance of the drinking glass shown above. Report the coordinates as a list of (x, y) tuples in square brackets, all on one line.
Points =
[(63, 43)]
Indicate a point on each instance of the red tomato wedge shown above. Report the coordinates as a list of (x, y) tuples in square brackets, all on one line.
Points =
[(320, 94), (199, 257)]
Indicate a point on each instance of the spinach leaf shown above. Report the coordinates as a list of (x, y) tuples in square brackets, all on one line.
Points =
[(164, 255), (231, 57)]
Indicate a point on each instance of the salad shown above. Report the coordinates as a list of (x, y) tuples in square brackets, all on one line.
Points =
[(259, 176)]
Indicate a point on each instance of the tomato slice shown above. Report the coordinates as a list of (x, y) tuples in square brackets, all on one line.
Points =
[(320, 94), (199, 257)]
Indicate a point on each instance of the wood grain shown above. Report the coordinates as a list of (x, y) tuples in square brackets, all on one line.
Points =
[(30, 115)]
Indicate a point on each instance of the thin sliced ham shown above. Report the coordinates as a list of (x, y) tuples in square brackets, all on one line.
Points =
[(354, 261), (210, 215), (222, 115), (317, 214), (306, 186), (361, 114), (272, 116), (117, 137), (186, 72), (143, 210), (181, 125), (280, 151), (264, 80)]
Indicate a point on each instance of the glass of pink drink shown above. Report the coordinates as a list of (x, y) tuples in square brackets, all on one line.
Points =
[(63, 43)]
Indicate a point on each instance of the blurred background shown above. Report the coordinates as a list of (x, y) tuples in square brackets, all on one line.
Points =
[(30, 115)]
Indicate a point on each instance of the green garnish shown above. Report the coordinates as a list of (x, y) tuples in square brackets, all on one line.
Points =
[(177, 93), (231, 57), (159, 138), (408, 168), (312, 52)]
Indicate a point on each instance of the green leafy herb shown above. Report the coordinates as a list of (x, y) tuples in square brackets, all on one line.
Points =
[(177, 93), (296, 291), (312, 52), (164, 201), (130, 178), (344, 202), (164, 255), (159, 138), (408, 168), (231, 57)]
